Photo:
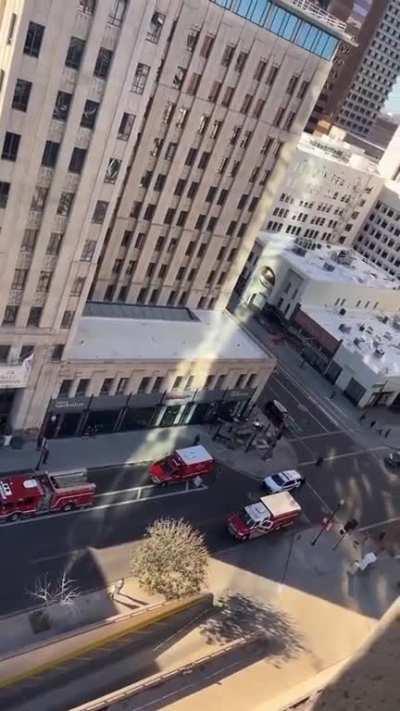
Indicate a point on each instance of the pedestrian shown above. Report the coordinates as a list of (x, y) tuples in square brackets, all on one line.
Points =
[(387, 433), (196, 440), (46, 454), (372, 423), (362, 417), (39, 443), (319, 461)]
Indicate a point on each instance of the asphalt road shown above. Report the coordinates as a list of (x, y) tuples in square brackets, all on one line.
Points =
[(94, 545)]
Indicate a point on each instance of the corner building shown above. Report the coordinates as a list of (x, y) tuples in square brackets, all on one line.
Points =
[(140, 148)]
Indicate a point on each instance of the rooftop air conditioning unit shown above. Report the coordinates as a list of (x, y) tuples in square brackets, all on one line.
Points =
[(396, 323), (361, 327), (358, 340), (329, 267), (379, 352), (300, 250), (342, 312), (384, 319), (345, 328)]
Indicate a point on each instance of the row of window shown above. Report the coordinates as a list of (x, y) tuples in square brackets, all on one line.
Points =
[(34, 317)]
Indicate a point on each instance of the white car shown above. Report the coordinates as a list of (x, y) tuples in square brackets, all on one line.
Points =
[(283, 481)]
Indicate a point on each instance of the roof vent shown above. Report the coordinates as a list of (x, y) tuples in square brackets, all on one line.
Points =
[(342, 312), (345, 328), (379, 352), (299, 250), (358, 340), (329, 267)]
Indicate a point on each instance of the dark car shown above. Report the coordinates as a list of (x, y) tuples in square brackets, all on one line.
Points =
[(276, 413), (393, 459)]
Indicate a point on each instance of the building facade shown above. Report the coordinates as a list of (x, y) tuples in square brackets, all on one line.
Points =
[(329, 189), (379, 237), (141, 147)]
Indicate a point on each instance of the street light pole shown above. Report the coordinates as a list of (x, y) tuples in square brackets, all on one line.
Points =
[(327, 522)]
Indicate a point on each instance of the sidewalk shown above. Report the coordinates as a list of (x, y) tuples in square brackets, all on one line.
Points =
[(144, 446)]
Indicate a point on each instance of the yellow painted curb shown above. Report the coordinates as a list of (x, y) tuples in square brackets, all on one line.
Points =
[(140, 621)]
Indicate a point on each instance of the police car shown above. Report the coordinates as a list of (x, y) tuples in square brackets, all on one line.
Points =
[(283, 481)]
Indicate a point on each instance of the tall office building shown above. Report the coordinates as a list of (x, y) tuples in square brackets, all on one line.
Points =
[(141, 145)]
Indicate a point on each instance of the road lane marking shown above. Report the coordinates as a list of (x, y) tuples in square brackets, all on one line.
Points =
[(301, 405), (127, 502), (343, 456), (379, 523)]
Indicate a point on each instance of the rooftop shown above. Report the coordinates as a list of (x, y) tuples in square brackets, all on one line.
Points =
[(337, 151), (211, 335), (329, 263), (374, 337)]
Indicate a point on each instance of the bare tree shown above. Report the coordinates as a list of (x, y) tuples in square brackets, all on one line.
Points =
[(171, 559), (61, 593)]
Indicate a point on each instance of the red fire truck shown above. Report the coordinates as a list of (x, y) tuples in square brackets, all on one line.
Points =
[(33, 494), (182, 464), (268, 514)]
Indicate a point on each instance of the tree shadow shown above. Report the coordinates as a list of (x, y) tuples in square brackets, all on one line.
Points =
[(240, 616)]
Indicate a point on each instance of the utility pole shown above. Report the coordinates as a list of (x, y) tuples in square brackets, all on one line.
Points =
[(327, 522)]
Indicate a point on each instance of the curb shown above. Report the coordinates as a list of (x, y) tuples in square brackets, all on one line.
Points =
[(138, 621)]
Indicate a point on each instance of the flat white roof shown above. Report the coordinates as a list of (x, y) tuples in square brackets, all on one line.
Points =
[(360, 271), (194, 455), (377, 343), (214, 335), (280, 504)]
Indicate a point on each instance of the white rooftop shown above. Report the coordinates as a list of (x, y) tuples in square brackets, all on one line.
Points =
[(212, 335), (376, 342), (194, 455), (337, 151), (280, 504), (321, 263)]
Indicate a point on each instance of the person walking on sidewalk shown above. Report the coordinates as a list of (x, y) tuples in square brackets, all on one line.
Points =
[(319, 461)]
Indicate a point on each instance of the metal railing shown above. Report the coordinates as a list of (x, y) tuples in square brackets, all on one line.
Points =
[(311, 9)]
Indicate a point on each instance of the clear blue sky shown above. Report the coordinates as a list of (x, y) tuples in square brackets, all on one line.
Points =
[(393, 102)]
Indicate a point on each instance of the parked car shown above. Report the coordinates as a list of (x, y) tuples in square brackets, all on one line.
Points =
[(393, 459), (283, 481), (276, 413)]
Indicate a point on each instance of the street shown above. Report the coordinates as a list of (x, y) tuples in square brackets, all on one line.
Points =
[(94, 545)]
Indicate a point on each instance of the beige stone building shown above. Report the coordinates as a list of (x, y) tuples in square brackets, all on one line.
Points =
[(141, 146)]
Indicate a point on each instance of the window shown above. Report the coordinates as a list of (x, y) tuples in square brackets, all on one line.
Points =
[(11, 27), (182, 116), (123, 293), (177, 382), (4, 191), (194, 186), (247, 101), (87, 6), (54, 244), (131, 267), (126, 125), (160, 182), (191, 40), (303, 89), (242, 229), (191, 156), (228, 96), (254, 173), (68, 317), (253, 204), (19, 279), (39, 199), (227, 56), (220, 382), (77, 160), (62, 106), (261, 67), (149, 212), (251, 381), (88, 250), (75, 53), (117, 12), (77, 286), (109, 293), (103, 63), (140, 78), (246, 139), (156, 25), (180, 186), (207, 46), (57, 352), (33, 40), (35, 314), (223, 165), (211, 223), (43, 284), (89, 115), (204, 119), (222, 197), (279, 116), (139, 240), (171, 150), (235, 168), (215, 129), (266, 145), (169, 216), (50, 153), (182, 218), (231, 228), (211, 193), (293, 81), (160, 243), (203, 162), (259, 107), (25, 352), (29, 240), (272, 75), (65, 203), (10, 146), (168, 113), (193, 84), (143, 385), (241, 61), (65, 387), (215, 89), (242, 202), (122, 385), (136, 208), (99, 213), (113, 170), (200, 222), (21, 96), (82, 386), (10, 315), (106, 386)]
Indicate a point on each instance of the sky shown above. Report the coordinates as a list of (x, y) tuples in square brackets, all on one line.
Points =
[(393, 103)]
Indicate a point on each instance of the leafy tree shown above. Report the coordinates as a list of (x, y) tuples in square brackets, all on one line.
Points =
[(171, 559)]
